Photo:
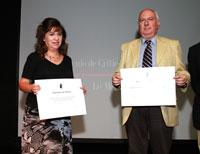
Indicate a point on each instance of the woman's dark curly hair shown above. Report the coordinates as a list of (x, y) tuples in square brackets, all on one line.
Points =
[(46, 25)]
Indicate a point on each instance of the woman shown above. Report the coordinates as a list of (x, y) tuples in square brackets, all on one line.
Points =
[(49, 61)]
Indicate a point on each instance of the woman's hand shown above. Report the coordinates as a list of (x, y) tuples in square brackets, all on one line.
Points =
[(35, 88), (84, 90)]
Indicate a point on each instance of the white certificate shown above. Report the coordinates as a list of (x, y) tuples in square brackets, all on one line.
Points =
[(152, 86), (60, 98)]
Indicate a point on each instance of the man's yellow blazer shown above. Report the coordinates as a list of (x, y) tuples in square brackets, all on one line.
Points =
[(168, 53)]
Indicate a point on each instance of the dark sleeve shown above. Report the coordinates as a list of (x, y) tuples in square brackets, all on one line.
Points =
[(30, 66), (71, 67), (194, 69)]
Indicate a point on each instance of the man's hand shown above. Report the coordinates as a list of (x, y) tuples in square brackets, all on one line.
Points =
[(181, 80), (116, 79)]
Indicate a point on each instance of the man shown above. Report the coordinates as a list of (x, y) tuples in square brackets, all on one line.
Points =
[(194, 69), (151, 125)]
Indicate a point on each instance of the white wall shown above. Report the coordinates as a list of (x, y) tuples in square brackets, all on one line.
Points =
[(96, 29)]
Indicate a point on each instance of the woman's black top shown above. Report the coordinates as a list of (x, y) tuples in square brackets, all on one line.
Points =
[(40, 68)]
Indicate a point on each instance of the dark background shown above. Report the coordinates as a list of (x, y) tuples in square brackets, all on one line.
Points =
[(9, 57)]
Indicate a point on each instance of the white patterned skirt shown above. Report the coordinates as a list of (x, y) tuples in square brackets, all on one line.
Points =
[(52, 136)]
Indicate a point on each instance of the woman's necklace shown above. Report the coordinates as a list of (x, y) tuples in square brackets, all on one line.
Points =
[(53, 58)]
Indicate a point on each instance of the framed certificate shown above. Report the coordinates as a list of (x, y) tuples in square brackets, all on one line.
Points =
[(151, 86), (60, 98)]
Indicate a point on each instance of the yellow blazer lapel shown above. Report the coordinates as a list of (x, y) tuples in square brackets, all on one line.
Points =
[(135, 50), (160, 51)]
